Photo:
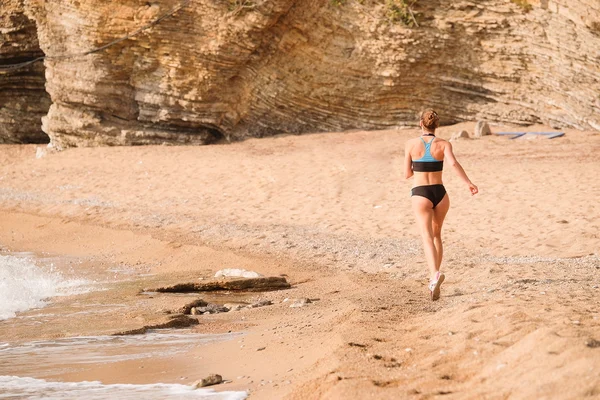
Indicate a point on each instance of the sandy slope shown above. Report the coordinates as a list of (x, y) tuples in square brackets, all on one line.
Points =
[(332, 212)]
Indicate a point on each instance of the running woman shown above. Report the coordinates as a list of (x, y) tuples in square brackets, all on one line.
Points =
[(424, 158)]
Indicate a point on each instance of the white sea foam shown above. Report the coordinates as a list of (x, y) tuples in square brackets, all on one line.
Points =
[(30, 388), (59, 353), (24, 286)]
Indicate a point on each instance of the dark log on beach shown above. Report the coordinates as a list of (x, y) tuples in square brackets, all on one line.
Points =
[(178, 321), (262, 284)]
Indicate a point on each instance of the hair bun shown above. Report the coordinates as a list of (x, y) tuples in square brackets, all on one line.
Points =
[(430, 119)]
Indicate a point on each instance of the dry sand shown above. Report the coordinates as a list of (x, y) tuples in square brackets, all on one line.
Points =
[(519, 308)]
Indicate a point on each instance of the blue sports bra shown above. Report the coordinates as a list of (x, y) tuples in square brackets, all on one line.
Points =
[(427, 163)]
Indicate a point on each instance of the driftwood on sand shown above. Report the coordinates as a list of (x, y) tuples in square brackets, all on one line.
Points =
[(262, 284), (176, 322)]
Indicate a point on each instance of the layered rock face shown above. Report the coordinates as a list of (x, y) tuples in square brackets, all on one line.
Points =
[(23, 99), (240, 68)]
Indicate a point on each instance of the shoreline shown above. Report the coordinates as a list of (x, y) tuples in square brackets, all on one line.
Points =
[(517, 305), (139, 311)]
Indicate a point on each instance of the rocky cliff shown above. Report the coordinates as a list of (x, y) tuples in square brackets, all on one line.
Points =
[(239, 68), (23, 99)]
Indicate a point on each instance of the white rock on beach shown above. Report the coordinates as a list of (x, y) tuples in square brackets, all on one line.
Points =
[(482, 128), (40, 152), (300, 302), (236, 273), (210, 380), (459, 135)]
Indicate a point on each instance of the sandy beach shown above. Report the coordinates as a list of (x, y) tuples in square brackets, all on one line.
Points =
[(519, 315)]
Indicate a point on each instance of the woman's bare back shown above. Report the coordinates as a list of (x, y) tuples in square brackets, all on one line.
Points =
[(416, 149)]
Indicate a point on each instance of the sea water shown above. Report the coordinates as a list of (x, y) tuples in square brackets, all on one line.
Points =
[(27, 283), (75, 353), (12, 387), (24, 285)]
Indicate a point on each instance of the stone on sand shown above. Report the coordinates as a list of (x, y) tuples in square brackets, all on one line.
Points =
[(209, 309), (460, 135), (187, 309), (235, 306), (593, 343), (236, 273), (213, 379), (482, 128), (260, 303), (300, 302)]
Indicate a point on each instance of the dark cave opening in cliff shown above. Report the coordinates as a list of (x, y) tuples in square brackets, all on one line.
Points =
[(24, 102), (23, 96), (41, 103), (217, 136)]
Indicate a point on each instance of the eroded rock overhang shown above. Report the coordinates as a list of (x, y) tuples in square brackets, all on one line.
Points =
[(235, 69)]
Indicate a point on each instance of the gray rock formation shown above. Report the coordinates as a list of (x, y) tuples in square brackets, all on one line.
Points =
[(218, 69)]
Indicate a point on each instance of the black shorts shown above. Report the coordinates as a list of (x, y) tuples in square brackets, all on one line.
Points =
[(435, 193)]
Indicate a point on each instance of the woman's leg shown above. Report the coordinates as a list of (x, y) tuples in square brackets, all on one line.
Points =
[(439, 214), (423, 210)]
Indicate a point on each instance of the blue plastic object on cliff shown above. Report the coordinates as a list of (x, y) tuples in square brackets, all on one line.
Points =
[(551, 135)]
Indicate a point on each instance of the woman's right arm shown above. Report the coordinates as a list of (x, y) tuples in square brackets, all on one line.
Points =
[(449, 156), (408, 171)]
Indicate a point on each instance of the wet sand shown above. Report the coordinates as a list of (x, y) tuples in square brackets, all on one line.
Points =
[(519, 309)]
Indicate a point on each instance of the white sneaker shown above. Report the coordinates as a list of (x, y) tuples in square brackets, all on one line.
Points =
[(434, 285)]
